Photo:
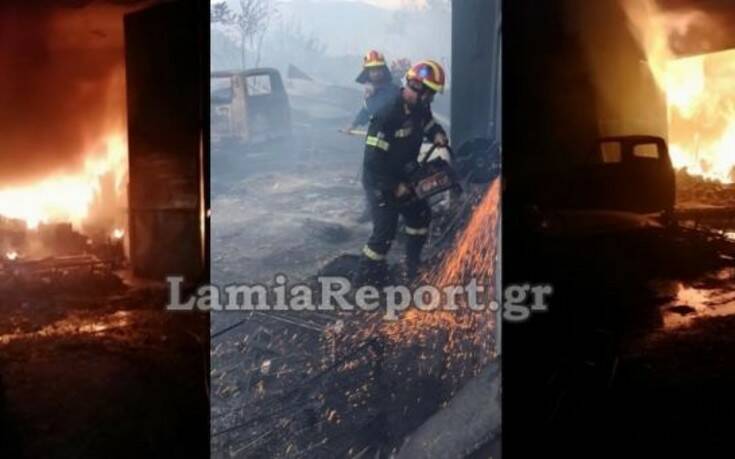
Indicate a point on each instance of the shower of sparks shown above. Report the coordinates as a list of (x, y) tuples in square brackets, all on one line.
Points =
[(469, 338), (354, 375)]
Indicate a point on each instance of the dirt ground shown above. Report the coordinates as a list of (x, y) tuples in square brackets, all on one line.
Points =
[(635, 354), (99, 369), (270, 201)]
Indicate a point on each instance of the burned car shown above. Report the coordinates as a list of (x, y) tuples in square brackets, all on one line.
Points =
[(249, 106), (626, 173), (623, 183)]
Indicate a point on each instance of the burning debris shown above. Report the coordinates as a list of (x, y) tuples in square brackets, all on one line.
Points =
[(75, 325), (52, 254), (696, 190)]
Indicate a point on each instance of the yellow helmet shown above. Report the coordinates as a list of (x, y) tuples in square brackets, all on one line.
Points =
[(429, 73), (373, 59)]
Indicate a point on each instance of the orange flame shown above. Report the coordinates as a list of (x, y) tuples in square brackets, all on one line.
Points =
[(700, 91), (67, 197)]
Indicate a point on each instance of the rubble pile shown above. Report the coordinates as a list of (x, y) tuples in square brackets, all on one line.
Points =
[(692, 189)]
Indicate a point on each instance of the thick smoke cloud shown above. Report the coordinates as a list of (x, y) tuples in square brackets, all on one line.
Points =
[(61, 86)]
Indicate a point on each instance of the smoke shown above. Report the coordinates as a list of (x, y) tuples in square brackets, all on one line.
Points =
[(61, 87), (627, 99)]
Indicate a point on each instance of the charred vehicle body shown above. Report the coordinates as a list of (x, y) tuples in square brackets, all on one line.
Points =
[(249, 106), (622, 173)]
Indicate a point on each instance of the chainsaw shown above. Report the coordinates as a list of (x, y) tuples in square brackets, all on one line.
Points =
[(431, 177), (427, 177)]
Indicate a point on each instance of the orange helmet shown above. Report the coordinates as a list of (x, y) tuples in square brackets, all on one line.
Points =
[(373, 59), (429, 73)]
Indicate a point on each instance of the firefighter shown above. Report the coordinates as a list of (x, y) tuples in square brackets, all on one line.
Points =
[(392, 145), (379, 91), (379, 87)]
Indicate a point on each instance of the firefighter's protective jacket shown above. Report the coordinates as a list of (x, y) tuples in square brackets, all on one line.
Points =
[(393, 141), (381, 96)]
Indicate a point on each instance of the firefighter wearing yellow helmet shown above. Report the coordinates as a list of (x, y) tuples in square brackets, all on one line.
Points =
[(392, 145), (379, 91), (379, 87)]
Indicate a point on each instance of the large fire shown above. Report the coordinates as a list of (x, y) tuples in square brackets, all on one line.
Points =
[(68, 197), (700, 91), (63, 114)]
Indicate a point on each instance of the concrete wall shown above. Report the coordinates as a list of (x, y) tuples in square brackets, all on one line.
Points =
[(164, 45), (475, 70)]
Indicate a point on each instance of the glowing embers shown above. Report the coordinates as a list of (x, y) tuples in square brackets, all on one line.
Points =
[(75, 325), (68, 197)]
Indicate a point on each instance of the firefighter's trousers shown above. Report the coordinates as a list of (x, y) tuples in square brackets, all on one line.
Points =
[(384, 213)]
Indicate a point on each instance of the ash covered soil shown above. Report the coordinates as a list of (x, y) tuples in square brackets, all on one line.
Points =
[(286, 206), (93, 367)]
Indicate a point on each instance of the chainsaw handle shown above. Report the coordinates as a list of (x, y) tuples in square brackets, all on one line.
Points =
[(428, 153), (431, 150)]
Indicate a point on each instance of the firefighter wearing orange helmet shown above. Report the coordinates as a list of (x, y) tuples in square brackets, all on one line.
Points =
[(392, 146), (379, 91), (379, 87)]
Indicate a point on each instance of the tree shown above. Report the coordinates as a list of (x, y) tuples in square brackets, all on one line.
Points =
[(250, 23), (272, 13), (221, 13)]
